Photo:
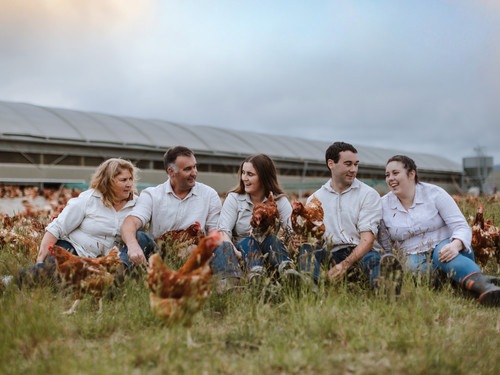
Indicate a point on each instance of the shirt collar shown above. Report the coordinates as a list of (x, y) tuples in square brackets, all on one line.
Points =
[(418, 199), (194, 190), (355, 185), (419, 195), (98, 194), (246, 198)]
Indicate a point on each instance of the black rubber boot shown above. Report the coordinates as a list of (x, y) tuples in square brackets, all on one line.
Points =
[(488, 294), (495, 280)]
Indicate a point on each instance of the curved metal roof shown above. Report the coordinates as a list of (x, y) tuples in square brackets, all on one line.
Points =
[(27, 121)]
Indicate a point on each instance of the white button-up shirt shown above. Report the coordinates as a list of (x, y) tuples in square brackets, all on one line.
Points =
[(349, 213), (92, 228), (165, 211), (433, 217), (237, 212)]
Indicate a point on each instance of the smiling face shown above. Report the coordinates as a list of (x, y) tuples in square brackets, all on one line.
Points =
[(122, 185), (344, 172), (399, 180), (251, 180), (184, 179)]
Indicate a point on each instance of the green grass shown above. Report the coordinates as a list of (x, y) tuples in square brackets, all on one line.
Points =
[(344, 328)]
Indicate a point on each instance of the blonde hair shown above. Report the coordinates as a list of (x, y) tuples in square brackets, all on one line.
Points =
[(103, 180)]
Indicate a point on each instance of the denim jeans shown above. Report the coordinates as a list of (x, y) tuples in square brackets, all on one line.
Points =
[(146, 243), (45, 270), (253, 252), (224, 262), (459, 267), (312, 257)]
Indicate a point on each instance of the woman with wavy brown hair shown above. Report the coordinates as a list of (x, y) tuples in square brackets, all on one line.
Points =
[(257, 179)]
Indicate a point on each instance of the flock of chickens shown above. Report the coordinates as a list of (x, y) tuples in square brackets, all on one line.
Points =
[(175, 295)]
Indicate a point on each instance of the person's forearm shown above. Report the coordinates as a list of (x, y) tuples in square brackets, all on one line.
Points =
[(129, 230), (364, 246), (47, 239)]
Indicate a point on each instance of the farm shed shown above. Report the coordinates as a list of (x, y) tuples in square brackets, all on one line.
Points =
[(52, 145)]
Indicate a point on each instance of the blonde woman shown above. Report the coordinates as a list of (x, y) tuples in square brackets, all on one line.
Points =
[(89, 225)]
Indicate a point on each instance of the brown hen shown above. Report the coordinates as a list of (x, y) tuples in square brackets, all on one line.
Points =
[(181, 239), (307, 221), (485, 239), (177, 295), (265, 218), (86, 275)]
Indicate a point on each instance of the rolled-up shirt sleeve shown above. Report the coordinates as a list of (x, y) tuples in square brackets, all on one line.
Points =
[(454, 219), (144, 207), (370, 213), (69, 219)]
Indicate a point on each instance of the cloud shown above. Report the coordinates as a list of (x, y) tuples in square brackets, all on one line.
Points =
[(423, 77)]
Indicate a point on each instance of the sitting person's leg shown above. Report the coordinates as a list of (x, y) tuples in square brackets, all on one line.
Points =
[(459, 267), (224, 263), (251, 253), (465, 271), (146, 243), (311, 258), (44, 271), (370, 264), (420, 264), (277, 254)]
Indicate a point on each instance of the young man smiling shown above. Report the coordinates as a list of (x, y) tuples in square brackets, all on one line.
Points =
[(352, 214)]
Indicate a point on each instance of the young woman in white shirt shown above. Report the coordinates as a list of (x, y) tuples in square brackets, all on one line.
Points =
[(89, 225), (423, 223), (257, 178)]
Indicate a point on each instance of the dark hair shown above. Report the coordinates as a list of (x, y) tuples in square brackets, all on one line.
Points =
[(266, 171), (333, 152), (407, 162), (171, 155)]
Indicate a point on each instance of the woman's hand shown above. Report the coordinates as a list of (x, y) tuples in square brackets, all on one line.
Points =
[(449, 251)]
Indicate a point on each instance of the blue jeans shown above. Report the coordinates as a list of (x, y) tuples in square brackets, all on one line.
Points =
[(312, 257), (45, 270), (224, 262), (146, 243), (253, 252), (459, 267)]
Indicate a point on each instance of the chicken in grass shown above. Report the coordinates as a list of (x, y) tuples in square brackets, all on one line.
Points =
[(181, 240), (307, 221), (177, 295), (485, 239), (85, 275), (265, 218)]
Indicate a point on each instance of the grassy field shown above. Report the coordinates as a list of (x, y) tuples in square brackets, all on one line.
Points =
[(344, 328)]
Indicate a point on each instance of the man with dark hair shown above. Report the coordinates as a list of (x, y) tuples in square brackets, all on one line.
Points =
[(352, 214), (175, 204)]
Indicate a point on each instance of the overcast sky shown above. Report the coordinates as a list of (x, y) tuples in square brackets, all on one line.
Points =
[(416, 75)]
